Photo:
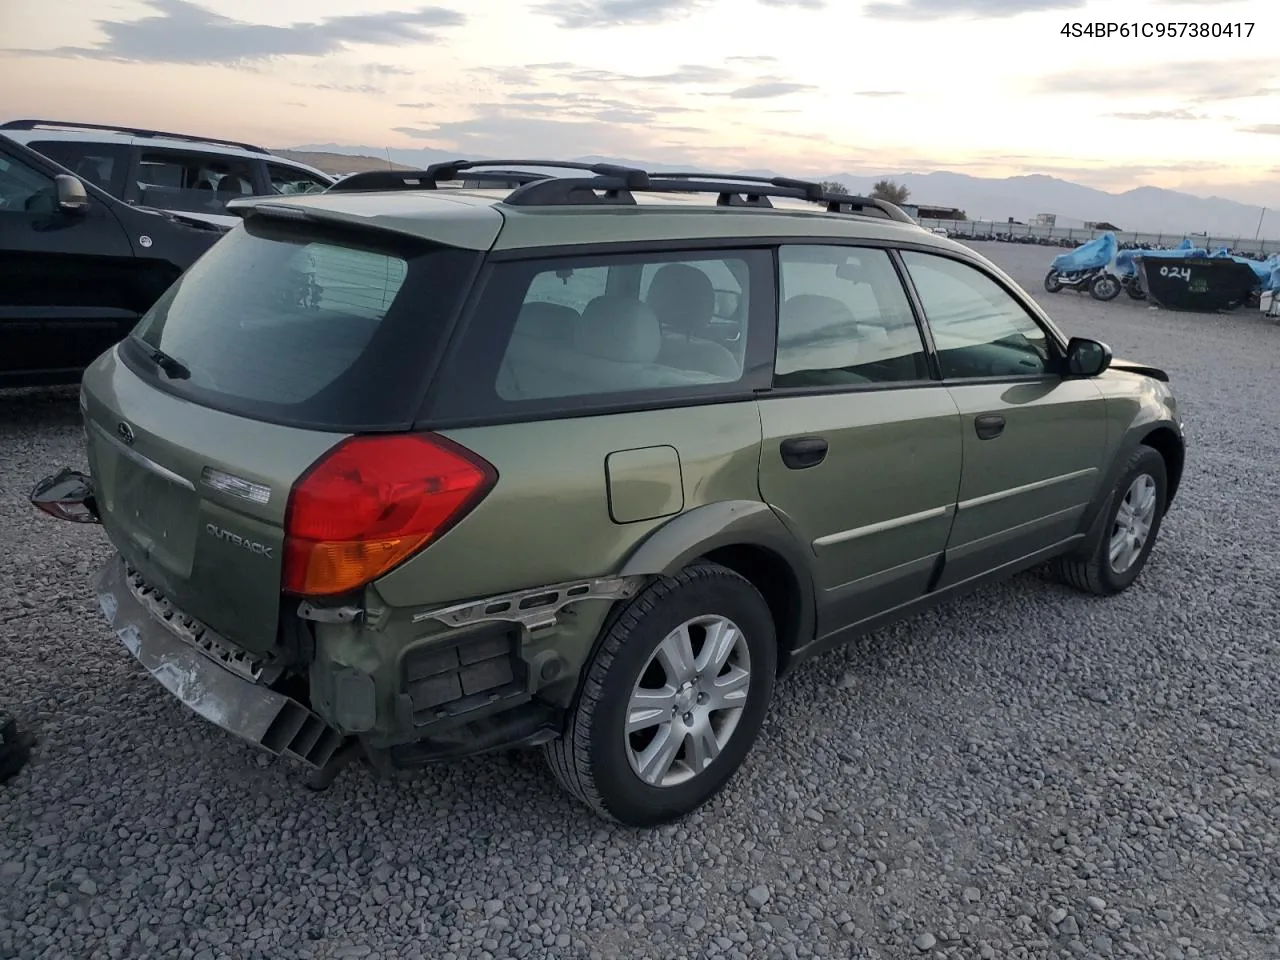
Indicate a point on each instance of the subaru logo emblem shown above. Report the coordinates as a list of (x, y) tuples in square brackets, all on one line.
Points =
[(125, 432)]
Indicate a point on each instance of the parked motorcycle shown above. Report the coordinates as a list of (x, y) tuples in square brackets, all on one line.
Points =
[(1085, 268), (1098, 281)]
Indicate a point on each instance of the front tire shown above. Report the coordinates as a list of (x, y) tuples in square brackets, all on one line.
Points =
[(673, 699), (1104, 287), (1129, 534)]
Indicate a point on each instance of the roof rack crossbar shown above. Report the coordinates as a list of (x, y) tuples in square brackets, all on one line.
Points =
[(429, 179), (132, 131), (813, 190), (731, 191)]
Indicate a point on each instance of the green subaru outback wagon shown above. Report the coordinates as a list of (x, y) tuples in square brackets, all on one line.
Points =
[(583, 457)]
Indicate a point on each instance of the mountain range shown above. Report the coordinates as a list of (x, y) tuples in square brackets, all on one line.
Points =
[(1143, 209)]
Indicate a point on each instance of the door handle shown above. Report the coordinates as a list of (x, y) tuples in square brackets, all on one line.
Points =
[(988, 426), (801, 452)]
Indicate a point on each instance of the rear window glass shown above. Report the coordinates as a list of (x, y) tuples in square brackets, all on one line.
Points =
[(304, 326)]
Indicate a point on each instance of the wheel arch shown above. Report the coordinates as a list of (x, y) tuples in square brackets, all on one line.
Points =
[(1166, 442), (749, 538), (1161, 437)]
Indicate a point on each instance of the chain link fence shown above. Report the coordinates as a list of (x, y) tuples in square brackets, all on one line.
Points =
[(1074, 236)]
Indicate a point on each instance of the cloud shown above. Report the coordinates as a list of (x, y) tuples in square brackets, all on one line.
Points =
[(416, 106), (547, 129), (969, 9), (584, 14), (1194, 81), (364, 89), (584, 104), (879, 93), (796, 4), (187, 33), (764, 58), (1159, 115), (684, 75), (533, 75), (768, 90), (1266, 129)]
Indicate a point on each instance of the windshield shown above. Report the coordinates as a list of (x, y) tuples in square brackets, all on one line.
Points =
[(305, 325)]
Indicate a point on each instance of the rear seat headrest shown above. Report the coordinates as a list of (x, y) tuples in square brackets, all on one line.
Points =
[(683, 298), (619, 328)]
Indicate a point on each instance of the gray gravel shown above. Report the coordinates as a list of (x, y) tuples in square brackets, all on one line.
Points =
[(1025, 774)]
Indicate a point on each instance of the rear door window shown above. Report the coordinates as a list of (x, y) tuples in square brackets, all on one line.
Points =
[(844, 319), (306, 325)]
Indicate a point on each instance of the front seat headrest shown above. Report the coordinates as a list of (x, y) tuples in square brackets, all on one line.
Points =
[(619, 328), (682, 297)]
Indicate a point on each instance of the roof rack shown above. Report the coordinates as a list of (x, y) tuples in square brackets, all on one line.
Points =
[(615, 184), (132, 131)]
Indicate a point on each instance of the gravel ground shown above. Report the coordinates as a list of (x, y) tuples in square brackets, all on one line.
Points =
[(1027, 773)]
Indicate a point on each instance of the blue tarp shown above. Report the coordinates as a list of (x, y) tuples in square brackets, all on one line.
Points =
[(1095, 253), (1265, 269)]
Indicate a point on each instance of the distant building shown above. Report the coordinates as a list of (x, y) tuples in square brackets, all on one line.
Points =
[(917, 212), (1101, 225), (1044, 220)]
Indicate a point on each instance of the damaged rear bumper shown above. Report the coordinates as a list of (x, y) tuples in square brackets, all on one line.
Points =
[(252, 711)]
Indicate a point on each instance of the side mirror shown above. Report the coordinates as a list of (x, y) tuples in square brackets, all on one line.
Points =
[(72, 196), (1087, 358)]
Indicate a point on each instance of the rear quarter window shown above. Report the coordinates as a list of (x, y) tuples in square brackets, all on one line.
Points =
[(572, 335), (308, 326)]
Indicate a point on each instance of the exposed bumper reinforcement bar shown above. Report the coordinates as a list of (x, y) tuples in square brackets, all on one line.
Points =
[(273, 721)]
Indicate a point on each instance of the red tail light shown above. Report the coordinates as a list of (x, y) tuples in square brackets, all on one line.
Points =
[(371, 503)]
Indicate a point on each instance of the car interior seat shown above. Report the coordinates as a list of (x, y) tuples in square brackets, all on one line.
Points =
[(684, 301), (818, 337)]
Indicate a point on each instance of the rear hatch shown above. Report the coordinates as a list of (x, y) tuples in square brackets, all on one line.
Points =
[(285, 338)]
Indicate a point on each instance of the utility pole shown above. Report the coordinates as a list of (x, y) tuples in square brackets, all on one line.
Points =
[(1258, 233)]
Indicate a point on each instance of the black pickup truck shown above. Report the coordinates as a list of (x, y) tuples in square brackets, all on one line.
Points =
[(78, 267)]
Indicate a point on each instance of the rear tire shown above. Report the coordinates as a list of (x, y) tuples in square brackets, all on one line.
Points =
[(1052, 282), (659, 771), (1132, 524)]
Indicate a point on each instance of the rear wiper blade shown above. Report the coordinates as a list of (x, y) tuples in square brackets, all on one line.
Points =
[(173, 368)]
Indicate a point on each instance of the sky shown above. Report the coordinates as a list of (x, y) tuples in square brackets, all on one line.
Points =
[(807, 87)]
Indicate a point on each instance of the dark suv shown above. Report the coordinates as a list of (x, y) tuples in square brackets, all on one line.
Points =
[(412, 472), (78, 267)]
